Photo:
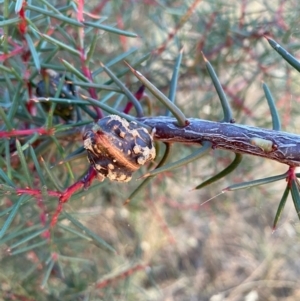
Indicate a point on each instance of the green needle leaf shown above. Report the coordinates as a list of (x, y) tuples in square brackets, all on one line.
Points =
[(61, 44), (8, 160), (30, 247), (192, 157), (37, 166), (285, 54), (174, 80), (61, 151), (97, 86), (281, 206), (255, 182), (5, 69), (275, 117), (65, 127), (4, 176), (54, 15), (58, 88), (12, 214), (91, 50), (5, 119), (27, 238), (27, 173), (233, 165), (19, 231), (117, 59), (33, 51), (182, 121), (9, 22), (61, 100), (125, 70), (75, 71), (222, 96), (47, 274), (131, 97), (296, 196), (77, 154), (78, 233), (18, 6), (51, 7), (15, 101), (110, 110), (30, 141), (97, 240), (51, 176), (112, 29)]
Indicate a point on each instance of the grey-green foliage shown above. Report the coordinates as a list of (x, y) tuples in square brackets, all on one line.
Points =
[(76, 255)]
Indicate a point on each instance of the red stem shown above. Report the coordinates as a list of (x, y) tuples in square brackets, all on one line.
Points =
[(17, 50), (138, 95), (26, 54), (85, 69), (37, 192), (123, 275), (66, 195), (87, 73), (23, 22), (85, 182), (291, 175), (13, 133)]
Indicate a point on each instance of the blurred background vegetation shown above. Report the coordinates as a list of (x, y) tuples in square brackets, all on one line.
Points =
[(163, 245)]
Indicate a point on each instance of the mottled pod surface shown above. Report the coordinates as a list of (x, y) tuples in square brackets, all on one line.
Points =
[(117, 148)]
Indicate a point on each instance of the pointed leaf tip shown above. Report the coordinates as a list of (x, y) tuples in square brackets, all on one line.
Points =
[(177, 113), (233, 165), (296, 196), (280, 207), (294, 62), (204, 57)]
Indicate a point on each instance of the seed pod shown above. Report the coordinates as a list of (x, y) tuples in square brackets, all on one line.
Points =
[(47, 88), (117, 148)]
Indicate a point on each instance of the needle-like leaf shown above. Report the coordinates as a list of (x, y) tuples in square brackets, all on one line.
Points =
[(192, 157), (255, 182), (285, 54), (131, 97), (12, 214), (182, 121), (275, 117), (222, 96), (97, 240), (281, 206), (296, 195), (24, 164), (232, 166)]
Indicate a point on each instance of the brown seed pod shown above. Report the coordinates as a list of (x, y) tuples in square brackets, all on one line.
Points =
[(117, 148), (47, 88)]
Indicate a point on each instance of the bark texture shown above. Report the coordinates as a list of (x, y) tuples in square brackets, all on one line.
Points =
[(275, 145)]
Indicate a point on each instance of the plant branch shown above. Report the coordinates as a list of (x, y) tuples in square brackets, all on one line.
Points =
[(275, 145)]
